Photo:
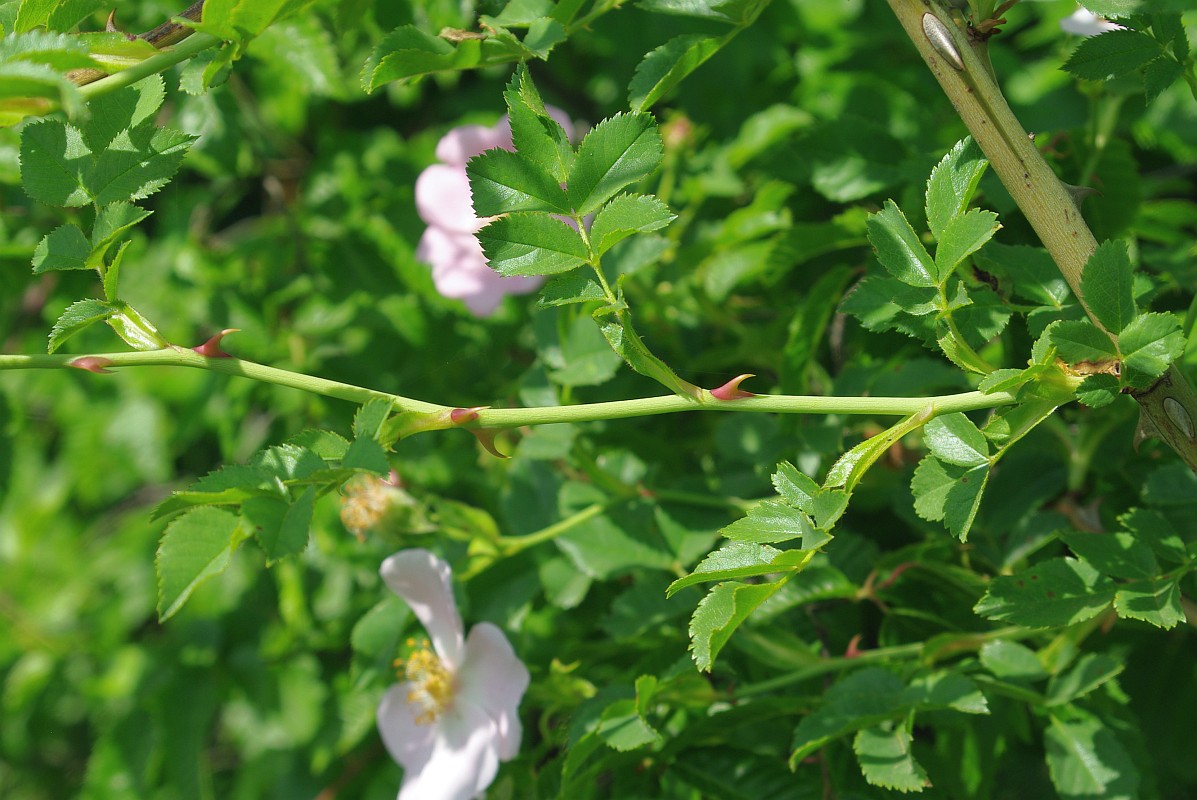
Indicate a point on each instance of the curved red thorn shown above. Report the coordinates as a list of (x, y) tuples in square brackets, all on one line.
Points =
[(897, 571), (853, 650), (464, 416), (486, 438), (94, 364), (731, 390), (211, 348)]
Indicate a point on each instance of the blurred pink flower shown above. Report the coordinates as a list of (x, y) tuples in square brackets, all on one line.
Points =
[(455, 717), (459, 268), (1084, 22)]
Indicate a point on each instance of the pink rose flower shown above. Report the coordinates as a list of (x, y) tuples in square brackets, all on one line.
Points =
[(455, 715), (459, 268)]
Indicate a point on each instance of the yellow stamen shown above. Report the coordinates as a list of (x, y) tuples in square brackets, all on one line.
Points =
[(364, 504), (432, 684)]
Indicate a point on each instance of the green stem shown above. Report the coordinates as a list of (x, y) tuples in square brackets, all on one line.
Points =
[(510, 545), (1170, 406), (964, 349), (881, 654), (703, 500), (183, 357), (193, 44), (600, 8), (516, 417), (779, 404), (1190, 74), (595, 261)]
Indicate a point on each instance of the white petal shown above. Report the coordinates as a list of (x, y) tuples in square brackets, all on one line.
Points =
[(463, 761), (493, 677), (422, 580), (408, 743), (443, 198), (1085, 23), (461, 144)]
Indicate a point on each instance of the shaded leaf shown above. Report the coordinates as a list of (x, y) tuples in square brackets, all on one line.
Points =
[(1148, 345), (54, 161), (1080, 341), (885, 758), (770, 522), (1118, 555), (194, 548), (719, 614), (954, 439), (63, 248), (408, 52), (949, 493), (280, 527), (864, 698), (1111, 54), (1057, 592), (78, 316), (899, 249), (1086, 760), (665, 67), (1108, 285), (962, 236), (571, 287), (1154, 601), (741, 560)]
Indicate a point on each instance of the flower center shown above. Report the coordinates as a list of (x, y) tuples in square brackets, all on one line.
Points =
[(432, 683), (364, 504)]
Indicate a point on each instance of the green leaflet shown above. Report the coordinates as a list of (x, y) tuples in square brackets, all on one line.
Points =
[(532, 244), (616, 153), (953, 183), (116, 155), (194, 548), (1056, 592)]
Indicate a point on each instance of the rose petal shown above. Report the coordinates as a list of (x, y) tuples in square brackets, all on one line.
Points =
[(460, 272), (408, 742), (1084, 22), (423, 581), (444, 249), (461, 144), (463, 760), (493, 677), (443, 198)]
